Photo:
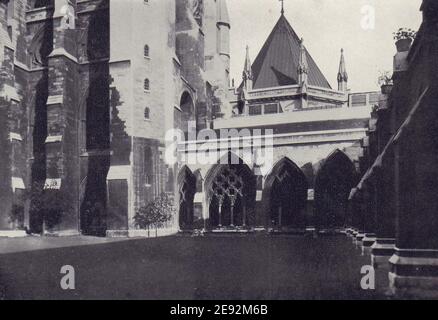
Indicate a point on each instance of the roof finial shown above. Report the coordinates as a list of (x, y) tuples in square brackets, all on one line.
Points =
[(247, 69), (303, 67), (342, 74), (282, 7)]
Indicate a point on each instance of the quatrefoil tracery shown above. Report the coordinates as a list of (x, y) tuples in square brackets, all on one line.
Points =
[(228, 183)]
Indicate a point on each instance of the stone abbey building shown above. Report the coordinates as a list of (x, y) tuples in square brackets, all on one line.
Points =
[(89, 90), (394, 206)]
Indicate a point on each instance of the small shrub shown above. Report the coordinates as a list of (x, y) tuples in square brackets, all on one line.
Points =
[(155, 214), (404, 33), (17, 216)]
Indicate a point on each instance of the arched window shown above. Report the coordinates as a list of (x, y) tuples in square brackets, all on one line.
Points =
[(146, 51), (148, 166), (146, 85), (146, 113), (41, 4)]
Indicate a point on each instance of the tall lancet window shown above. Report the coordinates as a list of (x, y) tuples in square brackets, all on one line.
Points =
[(68, 17), (198, 11), (41, 4), (146, 85), (146, 51), (148, 166)]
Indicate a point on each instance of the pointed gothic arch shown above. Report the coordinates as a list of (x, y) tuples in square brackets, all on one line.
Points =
[(333, 184), (184, 113), (230, 188), (199, 181), (41, 46), (186, 191), (285, 195), (35, 4)]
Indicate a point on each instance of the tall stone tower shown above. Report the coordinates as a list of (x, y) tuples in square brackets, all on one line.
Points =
[(88, 91), (217, 56)]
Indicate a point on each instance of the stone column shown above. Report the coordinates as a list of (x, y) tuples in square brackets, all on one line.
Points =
[(370, 214), (243, 212), (362, 209), (384, 246), (414, 266), (280, 214), (62, 165), (232, 203), (356, 215), (220, 203)]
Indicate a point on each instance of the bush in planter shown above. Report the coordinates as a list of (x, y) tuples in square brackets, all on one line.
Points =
[(385, 82), (155, 214), (404, 38), (49, 204), (385, 79), (404, 33), (16, 216)]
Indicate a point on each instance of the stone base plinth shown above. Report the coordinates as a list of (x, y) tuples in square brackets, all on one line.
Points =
[(286, 230), (12, 233), (414, 273), (62, 233), (233, 231), (381, 251), (134, 233), (117, 233), (369, 239), (358, 238)]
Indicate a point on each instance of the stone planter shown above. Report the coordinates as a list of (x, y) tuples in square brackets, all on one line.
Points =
[(403, 45), (386, 88)]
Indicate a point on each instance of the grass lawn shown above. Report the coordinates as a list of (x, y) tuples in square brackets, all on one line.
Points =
[(182, 267)]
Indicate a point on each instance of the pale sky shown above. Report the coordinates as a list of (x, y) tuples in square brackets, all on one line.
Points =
[(326, 26)]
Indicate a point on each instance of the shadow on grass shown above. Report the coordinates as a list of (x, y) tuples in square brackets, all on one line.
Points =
[(255, 267)]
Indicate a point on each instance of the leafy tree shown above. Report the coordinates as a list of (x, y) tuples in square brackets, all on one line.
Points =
[(155, 214)]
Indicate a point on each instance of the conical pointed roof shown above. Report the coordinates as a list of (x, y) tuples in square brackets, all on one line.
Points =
[(223, 12), (278, 60), (342, 73)]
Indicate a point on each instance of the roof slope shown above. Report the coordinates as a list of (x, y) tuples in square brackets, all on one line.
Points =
[(277, 62)]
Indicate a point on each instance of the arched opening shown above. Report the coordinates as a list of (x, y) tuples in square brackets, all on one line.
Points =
[(285, 196), (146, 85), (146, 51), (41, 4), (231, 193), (41, 46), (185, 113), (333, 185), (187, 190), (148, 166), (147, 113)]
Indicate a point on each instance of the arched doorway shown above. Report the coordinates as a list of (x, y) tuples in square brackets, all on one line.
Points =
[(285, 196), (187, 190), (333, 185), (231, 193), (185, 113)]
